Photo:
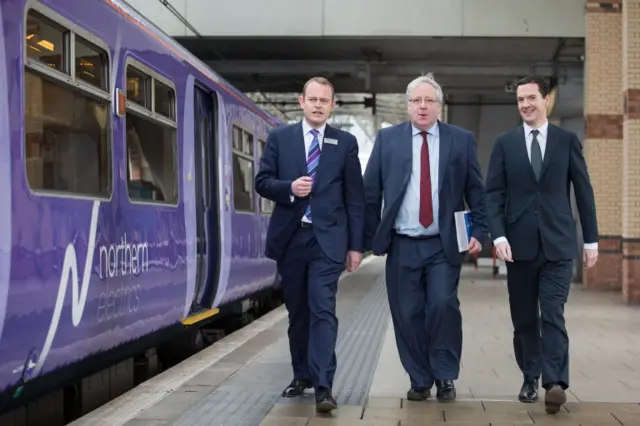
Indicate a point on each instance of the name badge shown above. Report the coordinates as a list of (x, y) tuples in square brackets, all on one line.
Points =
[(331, 141)]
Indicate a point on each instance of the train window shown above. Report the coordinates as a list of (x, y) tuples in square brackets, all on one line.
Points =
[(242, 170), (266, 205), (247, 143), (138, 87), (67, 139), (165, 99), (91, 63), (152, 154), (45, 42), (237, 138), (67, 127), (151, 159)]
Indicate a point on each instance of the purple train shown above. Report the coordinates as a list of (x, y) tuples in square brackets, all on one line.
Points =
[(126, 185)]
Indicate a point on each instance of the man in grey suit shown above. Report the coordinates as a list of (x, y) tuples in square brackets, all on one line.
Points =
[(424, 169)]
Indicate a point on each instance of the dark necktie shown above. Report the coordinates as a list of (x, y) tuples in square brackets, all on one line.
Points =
[(536, 155), (426, 204)]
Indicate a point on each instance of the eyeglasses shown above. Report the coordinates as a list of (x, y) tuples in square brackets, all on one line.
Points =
[(420, 101)]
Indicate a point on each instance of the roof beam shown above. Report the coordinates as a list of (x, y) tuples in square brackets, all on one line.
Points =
[(355, 68)]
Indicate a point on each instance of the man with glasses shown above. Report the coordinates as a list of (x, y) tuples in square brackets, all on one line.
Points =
[(424, 169), (312, 172)]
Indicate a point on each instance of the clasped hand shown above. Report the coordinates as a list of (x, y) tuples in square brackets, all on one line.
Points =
[(474, 246), (301, 187)]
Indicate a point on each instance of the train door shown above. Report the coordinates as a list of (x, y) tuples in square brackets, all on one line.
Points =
[(206, 201)]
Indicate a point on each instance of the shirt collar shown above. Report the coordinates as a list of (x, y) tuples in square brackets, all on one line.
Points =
[(306, 128), (542, 129), (433, 130)]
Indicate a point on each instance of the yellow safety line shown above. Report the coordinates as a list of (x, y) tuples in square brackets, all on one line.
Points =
[(199, 317)]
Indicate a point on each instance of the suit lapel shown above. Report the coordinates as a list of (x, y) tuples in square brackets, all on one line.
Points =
[(549, 149), (400, 155), (298, 150), (521, 147), (326, 152), (445, 150), (406, 154)]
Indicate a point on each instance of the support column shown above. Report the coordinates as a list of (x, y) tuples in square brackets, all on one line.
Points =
[(631, 152), (604, 136)]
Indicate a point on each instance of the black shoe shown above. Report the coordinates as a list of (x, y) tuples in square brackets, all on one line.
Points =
[(529, 391), (418, 394), (325, 402), (297, 388), (446, 390), (554, 399)]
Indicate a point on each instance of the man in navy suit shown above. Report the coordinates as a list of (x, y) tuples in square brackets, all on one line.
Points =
[(531, 222), (312, 171), (424, 169)]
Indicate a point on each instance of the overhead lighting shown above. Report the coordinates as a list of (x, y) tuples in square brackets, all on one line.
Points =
[(46, 44)]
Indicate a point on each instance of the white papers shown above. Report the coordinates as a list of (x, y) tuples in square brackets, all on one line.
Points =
[(463, 229)]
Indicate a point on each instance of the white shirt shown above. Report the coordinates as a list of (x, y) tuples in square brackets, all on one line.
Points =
[(542, 137), (543, 131), (308, 137), (408, 218)]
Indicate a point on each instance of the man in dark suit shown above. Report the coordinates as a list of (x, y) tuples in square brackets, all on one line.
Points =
[(424, 169), (312, 171), (530, 220)]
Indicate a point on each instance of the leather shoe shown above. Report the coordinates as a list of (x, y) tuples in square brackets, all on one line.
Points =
[(418, 394), (529, 391), (446, 390), (297, 388), (554, 399), (325, 402)]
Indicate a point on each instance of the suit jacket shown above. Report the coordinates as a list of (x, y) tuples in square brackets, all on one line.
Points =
[(387, 176), (526, 211), (337, 200)]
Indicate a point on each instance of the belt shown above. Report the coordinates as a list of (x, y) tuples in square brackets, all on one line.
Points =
[(419, 237), (305, 225)]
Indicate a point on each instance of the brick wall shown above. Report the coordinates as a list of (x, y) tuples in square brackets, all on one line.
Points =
[(631, 152), (604, 136)]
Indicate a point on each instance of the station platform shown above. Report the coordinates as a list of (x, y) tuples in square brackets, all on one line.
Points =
[(239, 379)]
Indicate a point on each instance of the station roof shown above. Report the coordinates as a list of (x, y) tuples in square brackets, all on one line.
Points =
[(471, 70)]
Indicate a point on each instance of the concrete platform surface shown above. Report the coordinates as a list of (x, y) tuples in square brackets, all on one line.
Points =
[(238, 380)]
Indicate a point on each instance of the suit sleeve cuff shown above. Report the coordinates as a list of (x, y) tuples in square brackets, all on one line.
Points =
[(499, 240), (591, 246)]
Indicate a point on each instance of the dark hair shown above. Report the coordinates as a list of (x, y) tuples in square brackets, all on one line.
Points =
[(319, 80), (543, 86)]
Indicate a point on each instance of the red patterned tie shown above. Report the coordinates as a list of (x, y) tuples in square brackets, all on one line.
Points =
[(426, 204)]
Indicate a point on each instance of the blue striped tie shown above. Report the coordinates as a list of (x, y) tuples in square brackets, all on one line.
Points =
[(312, 163)]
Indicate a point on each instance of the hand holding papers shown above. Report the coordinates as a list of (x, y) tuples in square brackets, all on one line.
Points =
[(464, 228)]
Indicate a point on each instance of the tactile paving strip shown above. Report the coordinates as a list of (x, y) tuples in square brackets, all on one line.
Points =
[(246, 397), (358, 348)]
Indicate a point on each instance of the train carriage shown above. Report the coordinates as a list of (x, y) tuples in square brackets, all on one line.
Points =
[(126, 182)]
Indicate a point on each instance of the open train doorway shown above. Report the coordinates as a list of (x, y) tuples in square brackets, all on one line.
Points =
[(208, 247)]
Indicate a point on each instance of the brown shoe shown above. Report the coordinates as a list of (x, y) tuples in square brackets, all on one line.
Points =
[(554, 399)]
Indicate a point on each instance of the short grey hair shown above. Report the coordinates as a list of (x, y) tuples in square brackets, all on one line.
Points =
[(426, 79)]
